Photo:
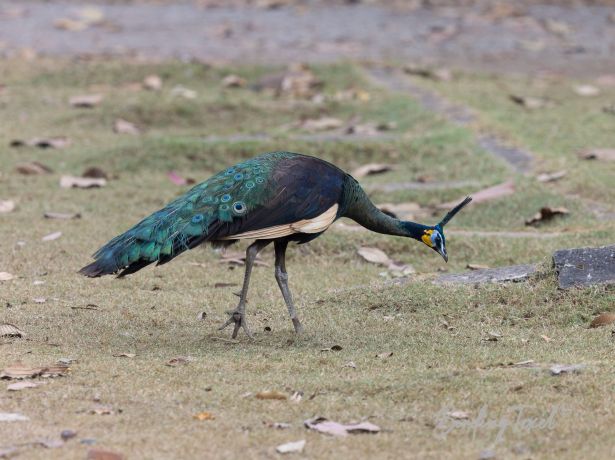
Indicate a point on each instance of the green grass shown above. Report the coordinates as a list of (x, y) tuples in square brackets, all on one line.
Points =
[(341, 299)]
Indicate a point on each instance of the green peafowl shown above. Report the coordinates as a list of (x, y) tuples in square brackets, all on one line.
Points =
[(276, 197)]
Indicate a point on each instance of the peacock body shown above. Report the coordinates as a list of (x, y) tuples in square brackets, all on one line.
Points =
[(276, 197)]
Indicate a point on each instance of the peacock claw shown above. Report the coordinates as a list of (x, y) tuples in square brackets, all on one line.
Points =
[(239, 320)]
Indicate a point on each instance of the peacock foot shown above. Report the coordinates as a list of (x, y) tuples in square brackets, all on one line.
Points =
[(238, 318)]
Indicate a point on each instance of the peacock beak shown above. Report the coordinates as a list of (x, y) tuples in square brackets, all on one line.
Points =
[(442, 252)]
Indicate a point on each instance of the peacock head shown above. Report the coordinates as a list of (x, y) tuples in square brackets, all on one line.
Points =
[(434, 236)]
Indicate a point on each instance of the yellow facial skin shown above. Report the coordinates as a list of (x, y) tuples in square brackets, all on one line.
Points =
[(427, 238)]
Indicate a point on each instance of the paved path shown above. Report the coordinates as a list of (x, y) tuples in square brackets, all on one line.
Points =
[(579, 40)]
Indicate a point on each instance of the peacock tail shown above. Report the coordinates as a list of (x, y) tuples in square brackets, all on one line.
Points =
[(190, 219)]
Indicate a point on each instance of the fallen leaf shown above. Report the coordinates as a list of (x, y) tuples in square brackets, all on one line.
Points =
[(81, 182), (325, 426), (86, 101), (459, 415), (17, 386), (374, 255), (58, 142), (333, 348), (352, 94), (291, 447), (488, 194), (350, 364), (98, 454), (551, 177), (437, 74), (602, 319), (369, 129), (278, 425), (233, 81), (32, 168), (559, 369), (125, 355), (598, 154), (39, 300), (6, 276), (492, 336), (545, 338), (94, 172), (102, 409), (546, 213), (20, 371), (529, 102), (61, 215), (371, 169), (8, 330), (181, 91), (52, 236), (586, 90), (526, 363), (296, 397), (7, 206), (179, 361), (271, 395), (125, 127), (204, 416), (321, 124), (12, 417), (152, 82), (476, 267), (223, 285), (384, 355)]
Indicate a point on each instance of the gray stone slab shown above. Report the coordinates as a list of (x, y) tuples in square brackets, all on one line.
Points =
[(585, 266), (514, 273)]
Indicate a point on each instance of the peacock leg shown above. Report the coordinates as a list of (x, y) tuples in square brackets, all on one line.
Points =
[(282, 278), (238, 316)]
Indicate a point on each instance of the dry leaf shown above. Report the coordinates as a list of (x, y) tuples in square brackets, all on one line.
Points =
[(202, 416), (545, 338), (19, 371), (526, 363), (271, 395), (7, 206), (322, 124), (333, 348), (476, 267), (184, 92), (152, 82), (95, 172), (296, 397), (437, 74), (598, 154), (102, 409), (529, 102), (551, 177), (58, 142), (371, 169), (8, 330), (12, 417), (39, 300), (99, 454), (291, 447), (179, 361), (125, 355), (61, 215), (17, 386), (559, 369), (81, 182), (32, 168), (384, 355), (6, 276), (125, 127), (350, 364), (488, 194), (602, 319), (233, 81), (459, 415), (375, 256), (325, 426), (546, 213), (493, 336), (86, 101), (586, 90), (52, 236)]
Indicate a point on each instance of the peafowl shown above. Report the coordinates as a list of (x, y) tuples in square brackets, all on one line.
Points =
[(277, 198)]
